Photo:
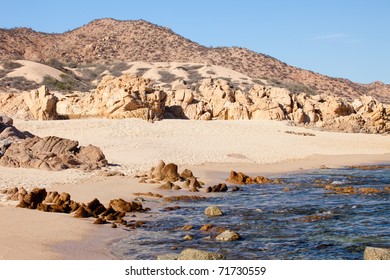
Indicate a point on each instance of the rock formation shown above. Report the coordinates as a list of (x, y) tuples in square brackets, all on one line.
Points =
[(22, 149), (38, 104), (129, 96), (242, 179), (217, 99), (213, 211), (41, 103), (40, 199), (125, 97)]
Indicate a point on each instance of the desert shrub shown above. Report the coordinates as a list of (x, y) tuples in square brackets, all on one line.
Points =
[(210, 72), (19, 83), (3, 73), (119, 67), (10, 65), (55, 64), (72, 65), (192, 67), (141, 71), (67, 83), (194, 77), (167, 77), (88, 74)]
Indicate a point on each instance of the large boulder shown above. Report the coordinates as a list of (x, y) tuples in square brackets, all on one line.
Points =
[(51, 153), (128, 96), (213, 211), (41, 103), (228, 235)]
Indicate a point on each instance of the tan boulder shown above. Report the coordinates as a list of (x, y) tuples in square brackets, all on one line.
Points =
[(334, 107), (51, 153), (128, 96), (282, 96), (41, 103)]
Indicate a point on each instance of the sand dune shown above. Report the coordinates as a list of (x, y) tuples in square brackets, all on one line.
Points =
[(34, 71)]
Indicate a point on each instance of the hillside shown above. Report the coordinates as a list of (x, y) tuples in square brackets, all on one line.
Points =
[(110, 41)]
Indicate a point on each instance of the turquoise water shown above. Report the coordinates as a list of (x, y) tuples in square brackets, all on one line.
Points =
[(271, 221)]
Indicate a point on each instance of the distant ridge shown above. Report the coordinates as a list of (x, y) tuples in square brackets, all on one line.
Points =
[(110, 41)]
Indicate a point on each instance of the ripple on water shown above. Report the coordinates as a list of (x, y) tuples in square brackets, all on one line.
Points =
[(306, 222)]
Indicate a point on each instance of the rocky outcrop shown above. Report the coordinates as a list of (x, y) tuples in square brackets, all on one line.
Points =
[(22, 149), (168, 173), (373, 253), (125, 206), (39, 104), (241, 179), (52, 201), (222, 187), (127, 96), (51, 153), (217, 99)]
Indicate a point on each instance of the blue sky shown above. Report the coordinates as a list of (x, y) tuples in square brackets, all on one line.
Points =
[(347, 39)]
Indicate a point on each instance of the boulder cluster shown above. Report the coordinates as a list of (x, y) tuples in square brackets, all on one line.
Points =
[(52, 201), (23, 149), (37, 104), (217, 99), (240, 178), (168, 175), (355, 190), (129, 96)]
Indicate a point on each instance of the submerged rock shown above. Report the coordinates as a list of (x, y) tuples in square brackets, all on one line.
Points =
[(168, 257), (228, 235), (194, 254), (213, 211)]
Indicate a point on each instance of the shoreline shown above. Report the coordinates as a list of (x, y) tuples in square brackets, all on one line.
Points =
[(210, 149), (213, 174), (93, 241)]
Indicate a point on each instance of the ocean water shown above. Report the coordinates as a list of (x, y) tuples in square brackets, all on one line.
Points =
[(273, 223)]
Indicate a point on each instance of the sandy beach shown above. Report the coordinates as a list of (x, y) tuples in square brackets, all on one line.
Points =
[(209, 148)]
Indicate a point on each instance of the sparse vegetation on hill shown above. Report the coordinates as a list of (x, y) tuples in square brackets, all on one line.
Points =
[(108, 41)]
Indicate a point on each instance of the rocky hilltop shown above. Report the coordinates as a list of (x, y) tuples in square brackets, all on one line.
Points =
[(109, 41)]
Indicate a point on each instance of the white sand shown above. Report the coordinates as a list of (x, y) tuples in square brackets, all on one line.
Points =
[(210, 148)]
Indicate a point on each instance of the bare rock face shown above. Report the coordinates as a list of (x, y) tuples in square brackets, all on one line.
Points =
[(128, 96), (22, 149), (50, 153), (37, 104), (41, 103), (370, 117)]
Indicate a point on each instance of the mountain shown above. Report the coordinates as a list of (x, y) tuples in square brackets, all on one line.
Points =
[(111, 41)]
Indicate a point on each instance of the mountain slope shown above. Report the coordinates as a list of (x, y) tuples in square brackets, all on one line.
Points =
[(110, 41)]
